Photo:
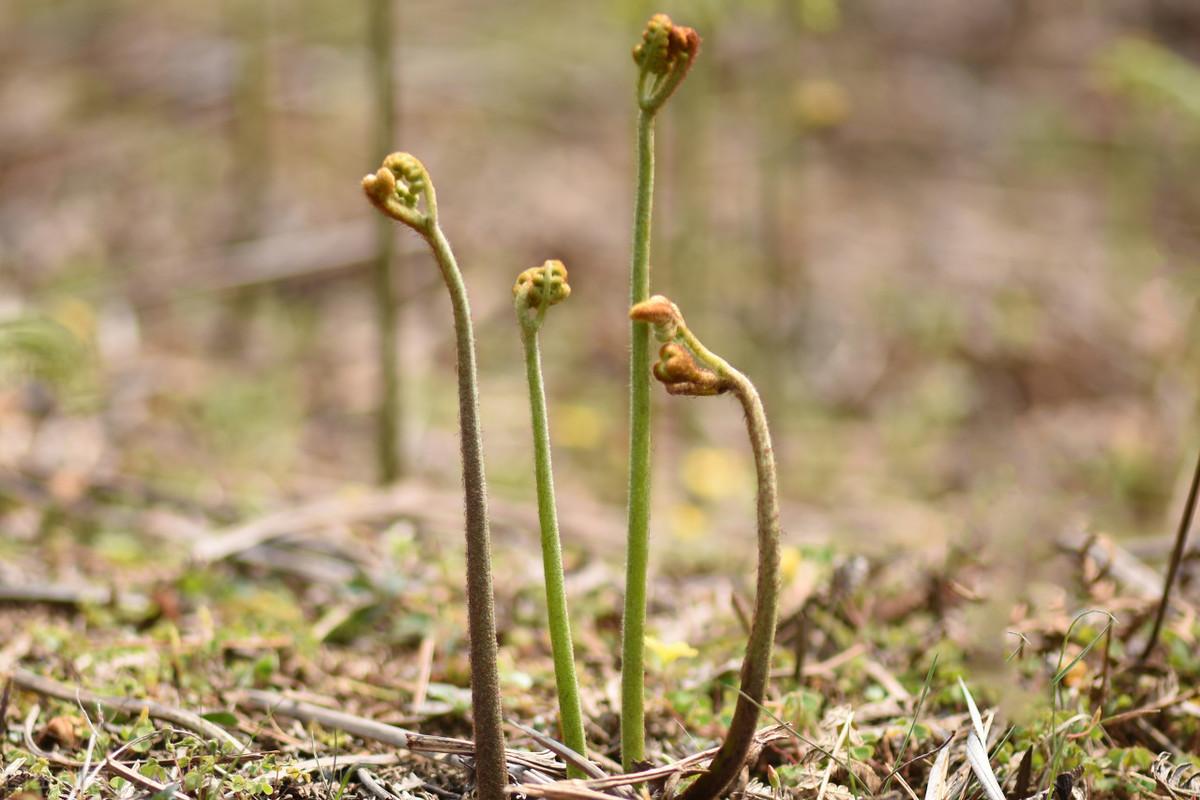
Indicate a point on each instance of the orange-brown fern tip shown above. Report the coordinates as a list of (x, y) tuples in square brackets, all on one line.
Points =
[(658, 310), (685, 41), (679, 373), (663, 43)]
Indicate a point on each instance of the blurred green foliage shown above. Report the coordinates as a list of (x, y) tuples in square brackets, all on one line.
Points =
[(41, 348), (1154, 75)]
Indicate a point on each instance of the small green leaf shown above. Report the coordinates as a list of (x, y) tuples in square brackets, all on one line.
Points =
[(223, 718)]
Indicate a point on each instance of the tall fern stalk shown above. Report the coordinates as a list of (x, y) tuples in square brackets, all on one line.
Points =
[(389, 413), (398, 189), (535, 291), (687, 367), (663, 58)]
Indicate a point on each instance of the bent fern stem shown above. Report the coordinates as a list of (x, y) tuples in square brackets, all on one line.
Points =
[(535, 291), (398, 189), (687, 367), (663, 58)]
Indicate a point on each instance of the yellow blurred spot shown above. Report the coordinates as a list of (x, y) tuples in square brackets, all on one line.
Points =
[(688, 521), (579, 426), (76, 316), (790, 559), (669, 652), (820, 104), (1077, 675), (712, 473), (821, 16)]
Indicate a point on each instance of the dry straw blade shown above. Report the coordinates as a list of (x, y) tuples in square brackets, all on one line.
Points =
[(977, 755), (937, 789)]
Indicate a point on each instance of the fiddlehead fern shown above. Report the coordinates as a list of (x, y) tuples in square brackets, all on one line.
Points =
[(535, 291), (687, 367), (663, 58), (401, 188)]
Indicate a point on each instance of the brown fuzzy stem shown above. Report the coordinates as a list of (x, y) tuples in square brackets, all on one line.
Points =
[(756, 666), (398, 189), (491, 775), (681, 374)]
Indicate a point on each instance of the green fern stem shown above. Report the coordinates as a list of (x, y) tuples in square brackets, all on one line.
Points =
[(637, 548), (535, 291), (569, 709), (664, 57)]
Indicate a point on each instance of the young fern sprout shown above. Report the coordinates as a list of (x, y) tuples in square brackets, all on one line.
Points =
[(663, 58), (401, 188), (535, 291), (687, 367)]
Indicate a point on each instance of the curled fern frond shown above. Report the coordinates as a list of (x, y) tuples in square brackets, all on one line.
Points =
[(536, 289), (397, 189), (653, 54), (679, 373), (546, 284), (401, 189), (663, 57), (686, 367)]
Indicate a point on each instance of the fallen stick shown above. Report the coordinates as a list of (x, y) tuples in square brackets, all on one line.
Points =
[(352, 724), (374, 787), (562, 790), (369, 729), (693, 762), (562, 751), (61, 595), (331, 763), (138, 779), (125, 705), (298, 519), (1116, 560), (410, 499)]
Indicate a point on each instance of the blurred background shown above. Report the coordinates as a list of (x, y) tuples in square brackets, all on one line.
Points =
[(954, 243)]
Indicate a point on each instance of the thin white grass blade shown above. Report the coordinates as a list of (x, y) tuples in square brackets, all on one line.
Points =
[(975, 718), (86, 773), (837, 747), (936, 788), (907, 789), (978, 758), (13, 768)]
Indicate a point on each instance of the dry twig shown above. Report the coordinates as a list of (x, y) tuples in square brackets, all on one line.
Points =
[(372, 730), (125, 705)]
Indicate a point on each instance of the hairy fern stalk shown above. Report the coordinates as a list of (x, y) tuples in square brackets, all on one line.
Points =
[(663, 58), (687, 367), (402, 189)]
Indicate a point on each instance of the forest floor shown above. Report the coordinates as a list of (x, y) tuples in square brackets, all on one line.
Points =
[(968, 288), (153, 646)]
